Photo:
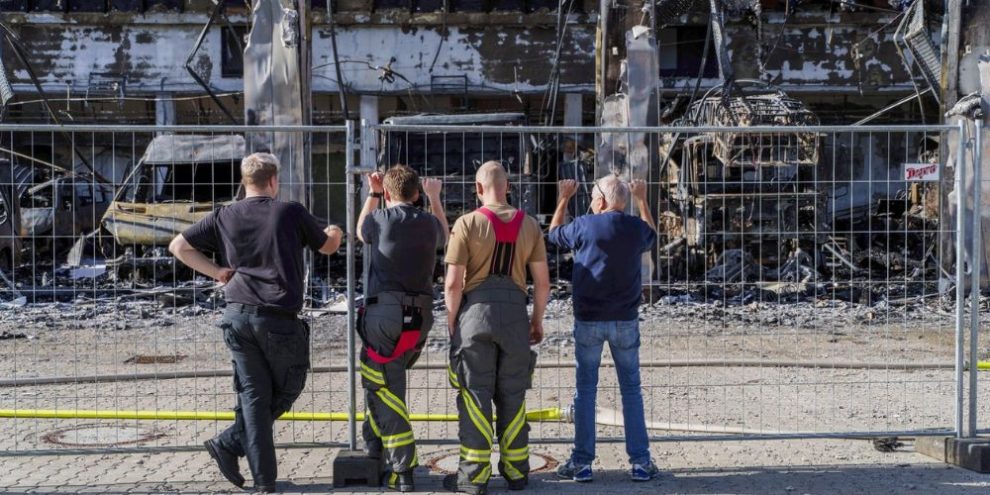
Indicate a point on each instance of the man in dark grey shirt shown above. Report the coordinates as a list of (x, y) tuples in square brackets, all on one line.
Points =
[(398, 313), (260, 242)]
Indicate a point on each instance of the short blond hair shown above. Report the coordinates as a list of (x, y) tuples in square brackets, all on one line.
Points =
[(258, 168)]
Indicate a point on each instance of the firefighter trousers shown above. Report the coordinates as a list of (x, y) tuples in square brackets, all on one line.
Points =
[(490, 361), (386, 430)]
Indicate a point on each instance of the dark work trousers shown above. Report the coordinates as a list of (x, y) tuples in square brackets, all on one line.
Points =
[(270, 353), (387, 431), (490, 361)]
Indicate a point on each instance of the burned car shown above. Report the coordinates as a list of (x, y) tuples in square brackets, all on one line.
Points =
[(10, 221), (58, 211), (178, 181), (738, 191), (456, 156)]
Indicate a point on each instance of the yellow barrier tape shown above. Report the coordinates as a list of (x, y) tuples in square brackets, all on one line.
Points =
[(545, 415)]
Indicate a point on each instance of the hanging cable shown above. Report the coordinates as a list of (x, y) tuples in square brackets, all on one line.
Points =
[(341, 85), (18, 49)]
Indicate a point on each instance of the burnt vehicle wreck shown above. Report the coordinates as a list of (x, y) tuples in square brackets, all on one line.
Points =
[(178, 181), (57, 212), (727, 191)]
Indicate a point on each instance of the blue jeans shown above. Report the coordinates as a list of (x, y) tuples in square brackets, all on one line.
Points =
[(623, 341)]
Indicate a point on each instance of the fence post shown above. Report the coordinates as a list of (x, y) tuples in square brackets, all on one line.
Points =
[(976, 258), (351, 316), (960, 272)]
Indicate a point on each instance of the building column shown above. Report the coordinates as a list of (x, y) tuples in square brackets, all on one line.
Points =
[(164, 109), (369, 144), (573, 109)]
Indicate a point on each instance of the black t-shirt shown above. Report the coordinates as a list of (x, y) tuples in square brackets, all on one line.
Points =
[(404, 241), (262, 239)]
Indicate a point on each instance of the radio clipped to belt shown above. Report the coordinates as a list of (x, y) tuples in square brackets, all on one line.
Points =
[(412, 324)]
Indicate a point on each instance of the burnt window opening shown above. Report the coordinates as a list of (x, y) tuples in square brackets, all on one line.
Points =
[(472, 5), (231, 56), (188, 183), (681, 52)]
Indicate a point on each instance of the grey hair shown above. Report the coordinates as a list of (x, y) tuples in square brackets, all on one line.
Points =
[(614, 190), (258, 168)]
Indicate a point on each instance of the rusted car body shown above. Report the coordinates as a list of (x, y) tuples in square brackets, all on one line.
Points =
[(56, 212), (177, 182)]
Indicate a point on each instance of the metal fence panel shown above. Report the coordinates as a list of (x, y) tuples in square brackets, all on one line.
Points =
[(803, 284), (107, 343)]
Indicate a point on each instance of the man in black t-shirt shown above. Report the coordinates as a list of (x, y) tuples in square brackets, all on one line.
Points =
[(398, 312), (260, 242)]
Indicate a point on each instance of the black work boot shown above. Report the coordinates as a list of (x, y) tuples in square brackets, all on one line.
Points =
[(226, 461), (402, 482), (450, 483), (519, 484), (264, 489)]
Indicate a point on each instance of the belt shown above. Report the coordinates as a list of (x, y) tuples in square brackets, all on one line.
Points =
[(404, 299), (261, 310)]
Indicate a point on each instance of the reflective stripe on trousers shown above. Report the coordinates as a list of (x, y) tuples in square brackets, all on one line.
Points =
[(387, 431), (491, 362)]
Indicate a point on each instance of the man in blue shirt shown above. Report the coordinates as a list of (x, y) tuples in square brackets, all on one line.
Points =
[(607, 284)]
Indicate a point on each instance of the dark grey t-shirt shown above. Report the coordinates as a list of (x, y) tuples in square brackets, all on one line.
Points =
[(262, 239), (403, 242)]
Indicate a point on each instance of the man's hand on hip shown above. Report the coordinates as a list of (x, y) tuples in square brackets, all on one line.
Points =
[(224, 275)]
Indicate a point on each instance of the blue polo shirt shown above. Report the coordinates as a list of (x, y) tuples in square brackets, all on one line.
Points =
[(607, 279)]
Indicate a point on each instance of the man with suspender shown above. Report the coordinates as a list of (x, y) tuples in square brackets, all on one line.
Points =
[(398, 311), (490, 360)]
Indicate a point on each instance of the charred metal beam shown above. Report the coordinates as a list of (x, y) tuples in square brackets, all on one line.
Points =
[(342, 88), (217, 12)]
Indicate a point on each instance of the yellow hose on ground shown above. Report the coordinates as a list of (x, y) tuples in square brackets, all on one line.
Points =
[(539, 415)]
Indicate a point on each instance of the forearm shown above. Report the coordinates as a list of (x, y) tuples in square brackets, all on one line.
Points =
[(560, 214), (452, 299), (541, 289), (541, 294), (198, 261), (370, 205), (645, 214), (436, 208)]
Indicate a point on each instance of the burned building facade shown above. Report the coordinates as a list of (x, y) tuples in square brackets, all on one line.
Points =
[(148, 62), (543, 62)]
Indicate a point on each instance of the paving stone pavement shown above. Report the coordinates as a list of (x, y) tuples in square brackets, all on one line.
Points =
[(784, 467)]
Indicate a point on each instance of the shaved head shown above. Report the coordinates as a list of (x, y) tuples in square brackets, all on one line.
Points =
[(492, 176)]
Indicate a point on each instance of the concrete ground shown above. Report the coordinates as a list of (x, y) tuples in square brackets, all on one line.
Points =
[(784, 467), (883, 395)]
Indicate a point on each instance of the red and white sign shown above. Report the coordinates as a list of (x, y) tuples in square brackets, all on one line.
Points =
[(921, 172)]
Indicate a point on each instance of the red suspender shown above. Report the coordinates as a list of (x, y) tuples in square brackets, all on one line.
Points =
[(506, 235)]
